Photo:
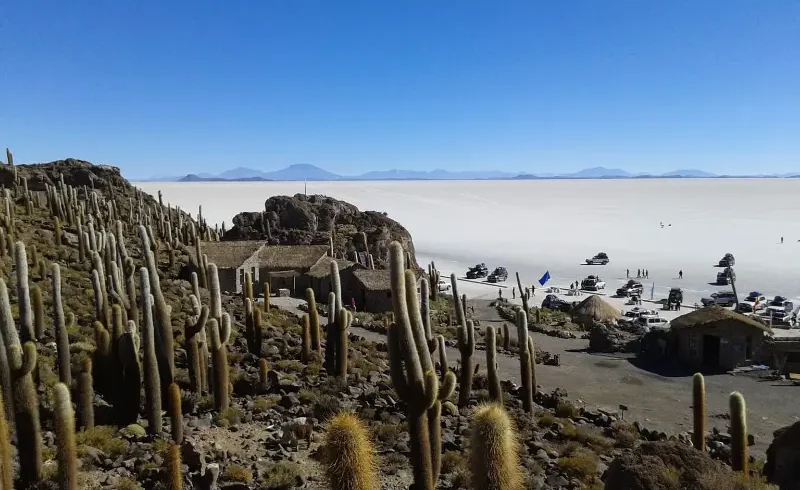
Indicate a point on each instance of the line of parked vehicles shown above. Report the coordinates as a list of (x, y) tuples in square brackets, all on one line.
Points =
[(499, 274)]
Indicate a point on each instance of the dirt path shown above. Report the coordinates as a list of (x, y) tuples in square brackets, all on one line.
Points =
[(606, 381)]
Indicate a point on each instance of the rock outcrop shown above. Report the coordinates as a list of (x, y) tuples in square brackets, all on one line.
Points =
[(607, 339), (310, 220), (783, 458)]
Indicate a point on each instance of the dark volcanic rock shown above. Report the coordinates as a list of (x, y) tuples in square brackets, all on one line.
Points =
[(663, 466), (77, 173), (783, 458), (607, 339), (309, 220)]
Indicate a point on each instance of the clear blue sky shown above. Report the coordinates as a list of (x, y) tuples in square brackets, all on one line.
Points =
[(176, 86)]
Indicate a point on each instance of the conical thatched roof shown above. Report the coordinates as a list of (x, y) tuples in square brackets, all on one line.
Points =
[(594, 308)]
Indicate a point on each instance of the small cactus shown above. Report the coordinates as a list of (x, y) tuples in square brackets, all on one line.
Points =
[(739, 451), (494, 450), (175, 413), (67, 451), (495, 391), (350, 456), (699, 412)]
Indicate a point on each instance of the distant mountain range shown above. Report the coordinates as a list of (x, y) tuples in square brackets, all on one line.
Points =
[(304, 171)]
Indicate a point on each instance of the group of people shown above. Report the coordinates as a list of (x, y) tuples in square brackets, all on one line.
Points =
[(640, 274)]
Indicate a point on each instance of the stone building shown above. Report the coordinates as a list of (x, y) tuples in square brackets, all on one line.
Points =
[(371, 289), (714, 338)]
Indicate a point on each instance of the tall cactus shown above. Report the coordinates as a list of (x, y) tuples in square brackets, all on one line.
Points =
[(266, 297), (699, 412), (334, 307), (466, 345), (86, 395), (152, 381), (413, 375), (349, 455), (494, 451), (23, 293), (162, 319), (214, 292), (38, 311), (6, 464), (345, 319), (193, 329), (219, 359), (174, 473), (532, 362), (127, 408), (495, 391), (305, 346), (525, 362), (62, 337), (67, 451), (313, 318), (21, 359), (506, 337), (175, 413), (739, 451)]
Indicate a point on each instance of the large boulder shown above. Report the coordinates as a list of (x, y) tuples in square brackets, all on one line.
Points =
[(783, 458), (604, 338), (309, 220), (666, 466)]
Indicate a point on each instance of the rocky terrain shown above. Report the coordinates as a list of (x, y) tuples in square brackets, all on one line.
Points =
[(318, 220), (117, 374)]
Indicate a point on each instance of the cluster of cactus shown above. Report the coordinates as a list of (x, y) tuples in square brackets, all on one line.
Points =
[(434, 276), (253, 323), (413, 375), (466, 344)]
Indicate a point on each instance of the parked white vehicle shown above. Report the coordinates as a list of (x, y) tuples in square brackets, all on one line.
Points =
[(444, 286), (652, 322)]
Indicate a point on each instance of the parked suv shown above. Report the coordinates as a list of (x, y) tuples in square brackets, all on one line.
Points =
[(599, 259), (553, 302), (498, 275), (722, 298), (632, 287)]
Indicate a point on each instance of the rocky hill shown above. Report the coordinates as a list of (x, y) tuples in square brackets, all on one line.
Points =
[(313, 220), (115, 374)]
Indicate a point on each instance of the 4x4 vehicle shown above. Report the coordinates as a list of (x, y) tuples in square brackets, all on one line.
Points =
[(443, 285), (478, 271), (599, 259), (727, 260), (675, 297), (630, 288), (553, 302), (650, 322), (725, 277), (499, 274), (593, 283), (722, 298)]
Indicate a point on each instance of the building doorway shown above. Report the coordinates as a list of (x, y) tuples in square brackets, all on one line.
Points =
[(710, 351)]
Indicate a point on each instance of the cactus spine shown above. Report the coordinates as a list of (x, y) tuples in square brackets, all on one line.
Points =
[(495, 391), (525, 362), (152, 381), (350, 456), (175, 413), (494, 450), (62, 337), (413, 375), (86, 395), (699, 412), (65, 439), (739, 451), (313, 318), (345, 318)]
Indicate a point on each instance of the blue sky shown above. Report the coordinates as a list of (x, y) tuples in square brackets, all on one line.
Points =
[(194, 86)]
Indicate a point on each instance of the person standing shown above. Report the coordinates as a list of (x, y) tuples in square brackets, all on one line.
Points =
[(353, 303), (513, 293), (533, 290), (680, 274), (781, 240), (627, 273), (638, 273)]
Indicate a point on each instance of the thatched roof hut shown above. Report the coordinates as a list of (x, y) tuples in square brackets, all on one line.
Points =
[(290, 257), (593, 309), (717, 318), (231, 254), (373, 280), (323, 266)]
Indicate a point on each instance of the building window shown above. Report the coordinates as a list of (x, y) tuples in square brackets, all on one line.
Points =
[(748, 347)]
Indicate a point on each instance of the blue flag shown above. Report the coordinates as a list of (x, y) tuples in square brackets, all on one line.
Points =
[(545, 278)]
